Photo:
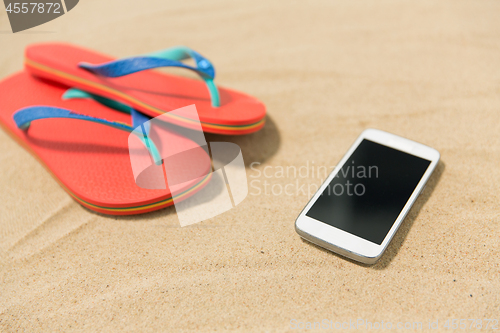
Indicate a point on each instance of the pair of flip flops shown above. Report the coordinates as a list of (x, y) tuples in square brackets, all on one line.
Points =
[(75, 111)]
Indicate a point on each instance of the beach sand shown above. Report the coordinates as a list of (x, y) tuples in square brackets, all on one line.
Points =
[(326, 70)]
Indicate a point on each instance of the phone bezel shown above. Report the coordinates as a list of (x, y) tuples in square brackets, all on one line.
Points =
[(345, 243)]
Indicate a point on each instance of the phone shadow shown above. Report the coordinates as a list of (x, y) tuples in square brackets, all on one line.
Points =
[(399, 238)]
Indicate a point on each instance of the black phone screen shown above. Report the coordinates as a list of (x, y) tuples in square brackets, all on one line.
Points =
[(368, 193)]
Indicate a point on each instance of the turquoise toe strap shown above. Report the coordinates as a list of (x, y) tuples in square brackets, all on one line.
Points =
[(138, 119), (25, 116), (74, 93), (170, 57)]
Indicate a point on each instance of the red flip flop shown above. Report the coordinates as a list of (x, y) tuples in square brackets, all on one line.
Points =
[(130, 81), (90, 161)]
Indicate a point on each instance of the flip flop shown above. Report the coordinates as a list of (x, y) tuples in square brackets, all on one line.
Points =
[(90, 161), (220, 110)]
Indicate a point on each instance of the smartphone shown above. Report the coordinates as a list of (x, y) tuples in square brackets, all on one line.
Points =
[(362, 203)]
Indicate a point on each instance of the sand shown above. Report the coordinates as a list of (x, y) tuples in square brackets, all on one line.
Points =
[(326, 70)]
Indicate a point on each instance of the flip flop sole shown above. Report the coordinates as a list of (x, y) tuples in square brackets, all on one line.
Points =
[(150, 92), (90, 161)]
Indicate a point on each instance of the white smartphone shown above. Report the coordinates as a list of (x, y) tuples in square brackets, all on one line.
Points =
[(360, 206)]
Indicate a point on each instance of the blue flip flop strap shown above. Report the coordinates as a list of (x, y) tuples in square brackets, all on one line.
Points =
[(166, 58), (25, 116)]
